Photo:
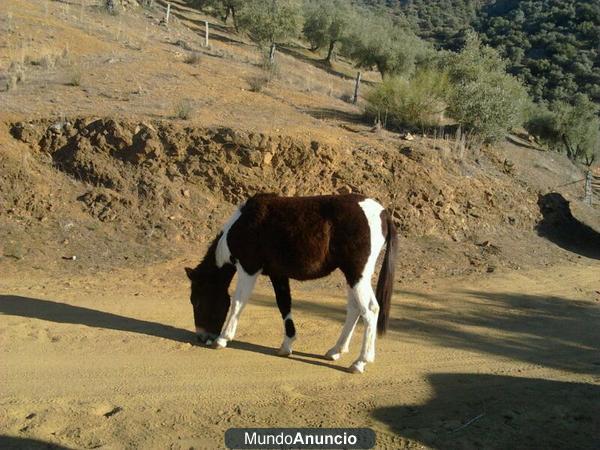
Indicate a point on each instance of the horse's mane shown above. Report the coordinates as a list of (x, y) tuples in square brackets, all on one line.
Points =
[(208, 261)]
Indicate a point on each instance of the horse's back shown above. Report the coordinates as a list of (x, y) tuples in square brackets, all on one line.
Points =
[(303, 237)]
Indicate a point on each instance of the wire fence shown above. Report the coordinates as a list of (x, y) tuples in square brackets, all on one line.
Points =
[(591, 194)]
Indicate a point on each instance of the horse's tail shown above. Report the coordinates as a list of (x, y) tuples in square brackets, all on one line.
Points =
[(385, 283)]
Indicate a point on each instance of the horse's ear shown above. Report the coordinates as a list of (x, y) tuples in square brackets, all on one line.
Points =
[(189, 272)]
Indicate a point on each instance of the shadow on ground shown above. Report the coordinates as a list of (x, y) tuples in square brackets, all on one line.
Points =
[(559, 226), (52, 311), (64, 313), (551, 331), (471, 411), (543, 330), (17, 443)]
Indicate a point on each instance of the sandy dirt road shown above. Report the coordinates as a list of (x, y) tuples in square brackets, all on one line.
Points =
[(509, 360)]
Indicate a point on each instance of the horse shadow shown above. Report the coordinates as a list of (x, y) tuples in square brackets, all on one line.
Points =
[(57, 312), (21, 443), (559, 226), (499, 412)]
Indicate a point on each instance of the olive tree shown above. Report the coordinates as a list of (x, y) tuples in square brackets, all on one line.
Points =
[(484, 98), (327, 23), (223, 9), (270, 22), (378, 41), (570, 128)]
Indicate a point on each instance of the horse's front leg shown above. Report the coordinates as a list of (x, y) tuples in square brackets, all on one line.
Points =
[(243, 290), (352, 314), (281, 286)]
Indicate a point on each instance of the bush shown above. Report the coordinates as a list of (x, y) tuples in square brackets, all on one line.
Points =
[(74, 77), (258, 83), (416, 103), (184, 109), (484, 99), (193, 58)]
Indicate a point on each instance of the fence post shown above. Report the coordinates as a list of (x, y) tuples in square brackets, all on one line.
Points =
[(588, 188), (356, 86), (272, 53), (168, 13), (206, 33)]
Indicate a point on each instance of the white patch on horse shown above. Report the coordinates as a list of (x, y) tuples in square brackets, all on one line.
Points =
[(362, 292), (372, 211), (223, 254)]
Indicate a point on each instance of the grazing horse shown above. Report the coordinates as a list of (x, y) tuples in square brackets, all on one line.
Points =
[(303, 238)]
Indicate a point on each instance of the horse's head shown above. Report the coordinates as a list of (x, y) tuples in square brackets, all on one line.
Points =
[(210, 299)]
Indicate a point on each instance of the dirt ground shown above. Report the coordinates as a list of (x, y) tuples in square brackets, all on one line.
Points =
[(107, 361)]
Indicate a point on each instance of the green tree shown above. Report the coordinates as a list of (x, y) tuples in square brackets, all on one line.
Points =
[(377, 41), (223, 9), (570, 128), (326, 23), (270, 22), (484, 98)]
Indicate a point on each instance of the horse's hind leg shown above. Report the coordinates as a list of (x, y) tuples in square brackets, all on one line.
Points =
[(352, 313), (281, 285), (369, 311)]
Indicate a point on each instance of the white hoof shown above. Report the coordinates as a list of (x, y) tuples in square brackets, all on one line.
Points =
[(219, 343), (333, 354), (284, 351), (357, 367)]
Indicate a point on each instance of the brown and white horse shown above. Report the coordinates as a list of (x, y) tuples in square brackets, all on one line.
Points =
[(302, 238)]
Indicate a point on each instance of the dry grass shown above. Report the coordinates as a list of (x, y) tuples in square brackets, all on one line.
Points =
[(258, 83), (74, 77), (184, 109), (193, 58)]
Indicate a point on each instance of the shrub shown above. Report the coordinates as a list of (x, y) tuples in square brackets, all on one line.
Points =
[(416, 103), (258, 83), (184, 109), (74, 78), (193, 58)]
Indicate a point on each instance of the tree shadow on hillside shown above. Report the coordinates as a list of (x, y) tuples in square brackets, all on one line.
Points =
[(22, 443), (318, 63), (470, 411), (543, 330), (335, 114), (559, 226)]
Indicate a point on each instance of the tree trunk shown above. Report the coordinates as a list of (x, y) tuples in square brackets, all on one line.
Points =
[(330, 52), (571, 154), (235, 25)]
